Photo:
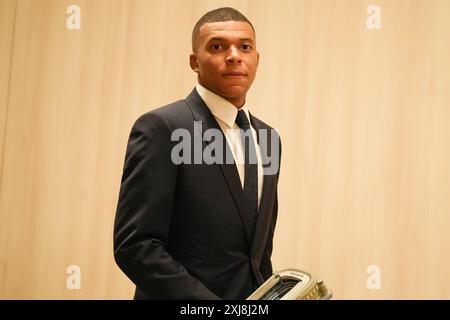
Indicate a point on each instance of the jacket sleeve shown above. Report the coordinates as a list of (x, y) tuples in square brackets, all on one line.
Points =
[(144, 210)]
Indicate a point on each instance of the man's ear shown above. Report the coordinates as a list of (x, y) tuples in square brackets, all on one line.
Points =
[(193, 62)]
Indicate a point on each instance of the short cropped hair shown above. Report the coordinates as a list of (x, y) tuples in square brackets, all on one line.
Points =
[(218, 15)]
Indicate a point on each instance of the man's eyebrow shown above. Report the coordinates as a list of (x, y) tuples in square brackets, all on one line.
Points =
[(223, 39)]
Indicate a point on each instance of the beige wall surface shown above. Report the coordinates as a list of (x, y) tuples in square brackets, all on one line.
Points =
[(363, 115)]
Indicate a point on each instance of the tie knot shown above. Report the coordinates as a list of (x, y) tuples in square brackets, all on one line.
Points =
[(242, 120)]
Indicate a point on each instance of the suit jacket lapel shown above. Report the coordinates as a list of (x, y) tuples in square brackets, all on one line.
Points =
[(202, 113), (264, 218)]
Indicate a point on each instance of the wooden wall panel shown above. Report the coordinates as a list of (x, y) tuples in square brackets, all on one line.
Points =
[(7, 19), (363, 115)]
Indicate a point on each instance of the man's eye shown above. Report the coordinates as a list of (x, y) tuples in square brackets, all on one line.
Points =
[(216, 46), (246, 46)]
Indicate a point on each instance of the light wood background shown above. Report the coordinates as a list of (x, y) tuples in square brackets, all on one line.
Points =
[(363, 114)]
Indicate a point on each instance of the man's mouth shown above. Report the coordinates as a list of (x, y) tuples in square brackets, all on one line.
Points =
[(234, 74)]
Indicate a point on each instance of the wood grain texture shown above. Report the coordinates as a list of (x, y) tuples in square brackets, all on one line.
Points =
[(7, 19), (363, 114), (7, 22)]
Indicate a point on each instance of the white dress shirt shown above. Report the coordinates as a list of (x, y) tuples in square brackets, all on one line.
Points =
[(225, 114)]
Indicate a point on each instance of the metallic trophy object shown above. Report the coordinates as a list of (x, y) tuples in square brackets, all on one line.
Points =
[(292, 284)]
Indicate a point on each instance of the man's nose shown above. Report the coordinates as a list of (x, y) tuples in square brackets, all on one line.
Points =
[(233, 55)]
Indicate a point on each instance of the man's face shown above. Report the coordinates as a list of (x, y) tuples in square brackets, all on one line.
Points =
[(226, 59)]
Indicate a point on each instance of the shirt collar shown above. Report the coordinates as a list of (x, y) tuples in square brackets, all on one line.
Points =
[(219, 107)]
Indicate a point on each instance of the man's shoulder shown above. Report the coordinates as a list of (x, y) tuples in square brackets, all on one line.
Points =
[(271, 131), (173, 114), (261, 124), (168, 111)]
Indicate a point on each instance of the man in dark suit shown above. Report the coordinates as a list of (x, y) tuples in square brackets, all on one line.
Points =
[(190, 223)]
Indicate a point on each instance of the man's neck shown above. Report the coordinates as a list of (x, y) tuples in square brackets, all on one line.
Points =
[(237, 102)]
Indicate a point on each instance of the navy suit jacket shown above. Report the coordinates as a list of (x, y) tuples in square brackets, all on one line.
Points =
[(182, 230)]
